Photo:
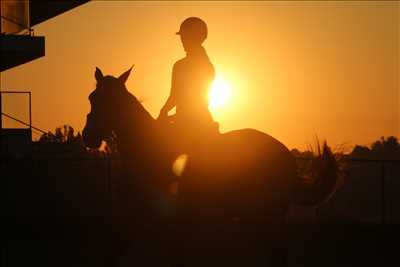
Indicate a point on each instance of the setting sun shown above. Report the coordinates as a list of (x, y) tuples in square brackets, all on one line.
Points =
[(220, 93)]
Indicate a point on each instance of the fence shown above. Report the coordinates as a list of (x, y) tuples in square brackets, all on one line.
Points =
[(368, 194)]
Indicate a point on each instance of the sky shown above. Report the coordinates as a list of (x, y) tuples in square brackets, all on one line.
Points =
[(296, 70)]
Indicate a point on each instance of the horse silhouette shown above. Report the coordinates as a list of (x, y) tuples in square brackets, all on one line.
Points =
[(241, 177)]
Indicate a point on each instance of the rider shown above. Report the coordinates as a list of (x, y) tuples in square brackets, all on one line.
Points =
[(191, 78)]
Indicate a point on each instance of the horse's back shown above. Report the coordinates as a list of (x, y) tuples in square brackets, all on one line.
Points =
[(251, 155), (255, 148), (242, 173)]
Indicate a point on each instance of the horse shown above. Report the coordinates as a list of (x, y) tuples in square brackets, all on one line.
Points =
[(244, 178)]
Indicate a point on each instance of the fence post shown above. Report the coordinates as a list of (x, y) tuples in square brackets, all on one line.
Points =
[(110, 254), (383, 197), (109, 184)]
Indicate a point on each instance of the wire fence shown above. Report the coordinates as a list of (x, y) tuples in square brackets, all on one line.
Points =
[(369, 193)]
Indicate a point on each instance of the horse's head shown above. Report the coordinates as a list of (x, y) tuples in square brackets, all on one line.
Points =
[(106, 101)]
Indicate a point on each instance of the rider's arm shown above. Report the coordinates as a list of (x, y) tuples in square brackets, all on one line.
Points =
[(171, 101)]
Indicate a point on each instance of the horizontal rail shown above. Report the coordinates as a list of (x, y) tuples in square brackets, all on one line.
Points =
[(55, 158), (112, 158), (357, 159), (15, 92)]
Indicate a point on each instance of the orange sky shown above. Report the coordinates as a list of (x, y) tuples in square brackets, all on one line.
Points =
[(297, 69)]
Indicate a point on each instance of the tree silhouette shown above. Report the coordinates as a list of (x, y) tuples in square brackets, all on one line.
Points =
[(63, 140), (63, 134), (360, 152), (384, 148)]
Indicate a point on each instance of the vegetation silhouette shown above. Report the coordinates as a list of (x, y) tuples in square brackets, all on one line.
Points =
[(385, 148), (243, 176), (64, 142)]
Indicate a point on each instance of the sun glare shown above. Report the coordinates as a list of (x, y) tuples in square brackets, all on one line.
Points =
[(220, 93)]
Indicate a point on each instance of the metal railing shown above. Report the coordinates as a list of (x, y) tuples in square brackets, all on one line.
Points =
[(15, 17), (14, 118), (29, 123)]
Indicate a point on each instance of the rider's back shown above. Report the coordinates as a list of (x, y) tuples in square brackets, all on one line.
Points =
[(192, 77)]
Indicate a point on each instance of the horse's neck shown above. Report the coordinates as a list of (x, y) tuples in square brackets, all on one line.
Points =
[(134, 129)]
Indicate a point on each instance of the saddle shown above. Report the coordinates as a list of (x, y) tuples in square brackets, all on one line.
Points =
[(185, 135)]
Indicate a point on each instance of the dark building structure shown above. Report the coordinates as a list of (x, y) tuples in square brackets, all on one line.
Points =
[(18, 46)]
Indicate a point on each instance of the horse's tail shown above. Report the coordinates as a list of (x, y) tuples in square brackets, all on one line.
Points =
[(317, 179)]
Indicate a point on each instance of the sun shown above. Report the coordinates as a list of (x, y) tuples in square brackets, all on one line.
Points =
[(220, 93)]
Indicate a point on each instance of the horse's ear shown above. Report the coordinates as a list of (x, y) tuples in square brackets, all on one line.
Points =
[(98, 75), (124, 76)]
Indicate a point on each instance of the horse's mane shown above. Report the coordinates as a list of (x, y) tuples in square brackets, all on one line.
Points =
[(136, 106)]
